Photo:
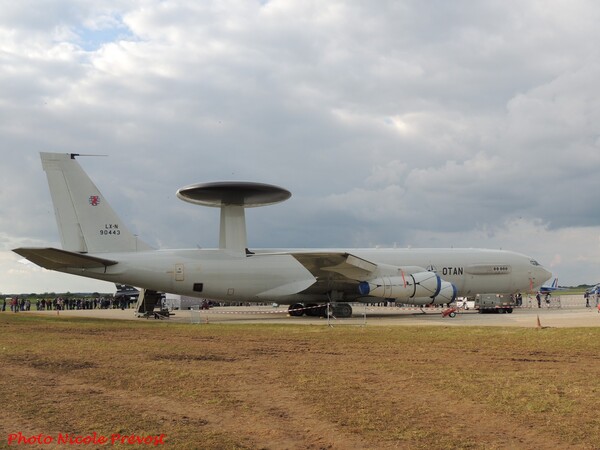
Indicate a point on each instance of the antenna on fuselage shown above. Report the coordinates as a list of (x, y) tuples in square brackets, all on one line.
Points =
[(73, 155), (233, 197)]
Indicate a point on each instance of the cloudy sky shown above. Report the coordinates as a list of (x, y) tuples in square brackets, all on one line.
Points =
[(395, 123)]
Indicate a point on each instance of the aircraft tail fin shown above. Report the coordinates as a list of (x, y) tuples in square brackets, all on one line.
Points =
[(86, 222)]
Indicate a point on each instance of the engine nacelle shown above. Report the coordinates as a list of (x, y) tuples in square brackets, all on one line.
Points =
[(447, 294), (420, 284)]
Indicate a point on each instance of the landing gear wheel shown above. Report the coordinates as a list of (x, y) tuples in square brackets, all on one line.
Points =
[(341, 310), (296, 310), (312, 310), (346, 310), (322, 311)]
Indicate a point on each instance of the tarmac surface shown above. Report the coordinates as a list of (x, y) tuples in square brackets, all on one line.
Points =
[(362, 316)]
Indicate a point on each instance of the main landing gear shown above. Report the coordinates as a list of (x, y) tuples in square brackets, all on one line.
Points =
[(339, 310)]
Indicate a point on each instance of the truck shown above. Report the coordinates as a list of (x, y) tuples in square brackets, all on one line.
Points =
[(495, 303)]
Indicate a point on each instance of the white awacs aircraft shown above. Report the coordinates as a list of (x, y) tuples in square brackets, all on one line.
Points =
[(97, 244)]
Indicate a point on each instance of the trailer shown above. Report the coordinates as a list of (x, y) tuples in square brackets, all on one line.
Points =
[(183, 302), (494, 303)]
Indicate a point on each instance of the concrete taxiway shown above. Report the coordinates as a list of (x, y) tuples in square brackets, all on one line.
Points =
[(370, 316)]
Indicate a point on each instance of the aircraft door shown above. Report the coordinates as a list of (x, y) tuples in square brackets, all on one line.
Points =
[(179, 272)]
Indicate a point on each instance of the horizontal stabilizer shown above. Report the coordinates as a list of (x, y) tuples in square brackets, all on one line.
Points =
[(54, 258)]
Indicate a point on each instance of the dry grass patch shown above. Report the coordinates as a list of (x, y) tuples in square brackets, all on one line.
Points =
[(282, 386)]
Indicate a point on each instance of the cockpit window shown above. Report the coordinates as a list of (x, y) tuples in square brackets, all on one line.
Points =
[(534, 262)]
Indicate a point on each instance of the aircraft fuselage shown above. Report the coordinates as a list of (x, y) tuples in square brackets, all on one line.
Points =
[(275, 275)]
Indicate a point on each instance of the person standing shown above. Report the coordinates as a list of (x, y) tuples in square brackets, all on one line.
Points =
[(538, 297)]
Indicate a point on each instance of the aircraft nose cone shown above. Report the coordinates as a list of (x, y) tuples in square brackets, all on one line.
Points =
[(544, 274)]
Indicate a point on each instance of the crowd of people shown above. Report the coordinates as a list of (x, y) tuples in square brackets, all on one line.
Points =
[(17, 304)]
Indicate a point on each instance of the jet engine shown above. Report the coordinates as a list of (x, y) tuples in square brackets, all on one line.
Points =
[(421, 288), (420, 284), (447, 294)]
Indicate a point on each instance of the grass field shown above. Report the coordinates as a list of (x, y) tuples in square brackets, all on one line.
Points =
[(281, 386)]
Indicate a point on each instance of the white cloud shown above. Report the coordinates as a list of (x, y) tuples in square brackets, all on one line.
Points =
[(406, 122)]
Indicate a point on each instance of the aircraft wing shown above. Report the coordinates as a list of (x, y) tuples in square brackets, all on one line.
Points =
[(336, 265), (334, 271), (56, 259), (342, 271)]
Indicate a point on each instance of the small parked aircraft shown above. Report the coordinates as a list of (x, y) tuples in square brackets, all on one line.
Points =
[(544, 289)]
